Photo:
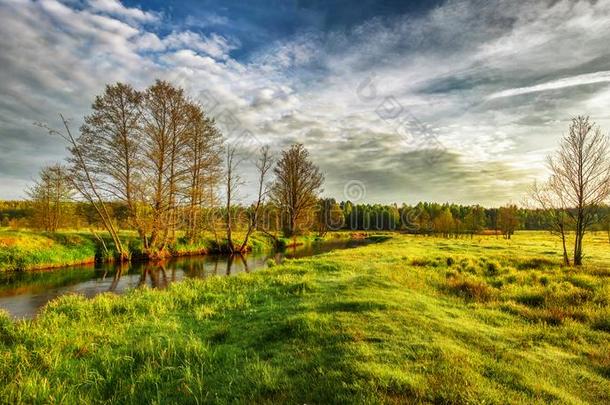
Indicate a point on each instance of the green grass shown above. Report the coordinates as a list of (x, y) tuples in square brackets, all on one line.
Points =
[(22, 250), (412, 319), (27, 250)]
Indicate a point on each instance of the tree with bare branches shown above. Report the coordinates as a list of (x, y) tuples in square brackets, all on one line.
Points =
[(263, 166), (232, 182), (156, 152), (165, 129), (111, 144), (50, 194), (204, 161), (580, 171), (86, 181), (297, 185), (549, 198)]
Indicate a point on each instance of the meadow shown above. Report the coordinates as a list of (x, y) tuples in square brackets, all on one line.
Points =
[(409, 320)]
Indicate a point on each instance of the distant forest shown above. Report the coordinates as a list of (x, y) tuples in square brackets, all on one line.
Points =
[(423, 218)]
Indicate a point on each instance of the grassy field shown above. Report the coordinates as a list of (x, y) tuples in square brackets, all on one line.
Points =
[(412, 319)]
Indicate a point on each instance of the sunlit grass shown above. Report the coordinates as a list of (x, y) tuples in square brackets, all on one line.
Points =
[(27, 250), (30, 250), (401, 321)]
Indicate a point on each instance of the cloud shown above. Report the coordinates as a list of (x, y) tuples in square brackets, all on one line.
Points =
[(214, 45), (453, 132), (114, 7), (579, 80)]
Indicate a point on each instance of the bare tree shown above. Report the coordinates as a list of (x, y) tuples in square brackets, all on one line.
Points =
[(263, 166), (581, 173), (155, 152), (86, 183), (295, 190), (111, 147), (232, 182), (165, 128), (549, 198), (50, 195), (203, 155)]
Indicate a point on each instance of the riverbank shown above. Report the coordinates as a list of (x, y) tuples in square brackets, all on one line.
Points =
[(412, 319), (24, 250)]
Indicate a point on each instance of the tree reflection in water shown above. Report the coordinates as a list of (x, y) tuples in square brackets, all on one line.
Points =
[(22, 295)]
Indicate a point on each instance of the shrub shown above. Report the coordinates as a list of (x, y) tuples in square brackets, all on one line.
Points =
[(535, 263), (470, 289), (553, 316), (531, 299), (468, 266), (420, 262), (565, 294), (492, 269), (602, 323), (450, 261)]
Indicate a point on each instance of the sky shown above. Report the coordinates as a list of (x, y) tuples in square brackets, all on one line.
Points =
[(397, 101)]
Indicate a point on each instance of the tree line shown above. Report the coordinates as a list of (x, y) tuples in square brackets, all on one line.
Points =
[(153, 162), (451, 220)]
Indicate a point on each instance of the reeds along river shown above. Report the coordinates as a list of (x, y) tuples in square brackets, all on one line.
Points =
[(23, 294)]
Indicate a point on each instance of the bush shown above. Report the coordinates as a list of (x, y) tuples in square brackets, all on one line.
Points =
[(468, 266), (602, 323), (531, 299), (493, 268), (535, 263), (470, 289), (420, 262), (135, 246), (565, 294)]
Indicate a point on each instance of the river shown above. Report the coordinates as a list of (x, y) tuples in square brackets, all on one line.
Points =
[(23, 294)]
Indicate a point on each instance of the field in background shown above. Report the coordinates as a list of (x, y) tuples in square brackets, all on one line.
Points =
[(407, 320)]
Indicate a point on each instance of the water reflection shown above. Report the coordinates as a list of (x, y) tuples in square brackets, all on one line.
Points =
[(23, 294)]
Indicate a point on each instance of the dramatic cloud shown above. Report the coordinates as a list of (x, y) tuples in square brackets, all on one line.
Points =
[(591, 78), (459, 102)]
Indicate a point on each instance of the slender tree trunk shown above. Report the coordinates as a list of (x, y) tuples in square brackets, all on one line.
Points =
[(566, 259), (579, 236), (95, 199)]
